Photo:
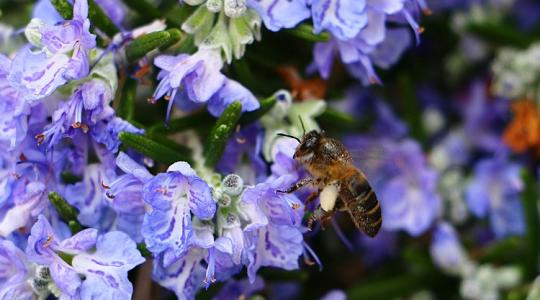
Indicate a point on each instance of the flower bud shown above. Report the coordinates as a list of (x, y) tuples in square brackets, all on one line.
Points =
[(234, 8), (214, 5), (232, 184), (225, 200)]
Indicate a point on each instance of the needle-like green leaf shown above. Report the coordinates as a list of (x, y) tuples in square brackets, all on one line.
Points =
[(151, 148), (224, 127), (305, 31), (67, 212), (153, 40)]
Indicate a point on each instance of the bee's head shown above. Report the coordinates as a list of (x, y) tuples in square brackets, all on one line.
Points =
[(308, 145)]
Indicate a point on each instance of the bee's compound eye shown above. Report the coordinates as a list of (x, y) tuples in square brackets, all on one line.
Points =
[(310, 142)]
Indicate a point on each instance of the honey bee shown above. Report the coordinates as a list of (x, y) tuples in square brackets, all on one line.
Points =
[(341, 186)]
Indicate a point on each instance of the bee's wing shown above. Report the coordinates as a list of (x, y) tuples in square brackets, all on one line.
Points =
[(375, 162)]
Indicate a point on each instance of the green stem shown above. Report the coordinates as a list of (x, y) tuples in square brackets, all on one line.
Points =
[(147, 12), (336, 119), (176, 125), (144, 250), (305, 31), (499, 34), (69, 178), (413, 111), (530, 208), (126, 109)]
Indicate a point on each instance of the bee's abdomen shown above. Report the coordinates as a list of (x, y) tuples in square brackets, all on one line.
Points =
[(363, 205)]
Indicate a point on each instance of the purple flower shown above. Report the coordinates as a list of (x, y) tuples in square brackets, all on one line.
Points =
[(87, 105), (495, 191), (284, 163), (125, 195), (105, 269), (446, 250), (115, 10), (14, 110), (334, 295), (44, 245), (14, 272), (273, 233), (405, 184), (230, 92), (87, 197), (187, 274), (189, 81), (173, 196), (343, 18), (247, 141), (106, 132), (360, 56), (197, 77), (410, 201), (360, 35), (483, 116), (64, 56), (23, 200), (46, 12), (277, 14)]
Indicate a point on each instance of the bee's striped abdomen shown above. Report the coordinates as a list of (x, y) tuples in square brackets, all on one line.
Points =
[(362, 204)]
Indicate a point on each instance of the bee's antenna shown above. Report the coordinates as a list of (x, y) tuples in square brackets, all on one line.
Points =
[(289, 136), (302, 122)]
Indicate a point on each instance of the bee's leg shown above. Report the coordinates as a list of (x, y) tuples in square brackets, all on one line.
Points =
[(297, 185), (319, 215), (312, 196), (340, 205)]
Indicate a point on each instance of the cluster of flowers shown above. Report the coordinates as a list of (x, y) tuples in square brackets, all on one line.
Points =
[(59, 136)]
